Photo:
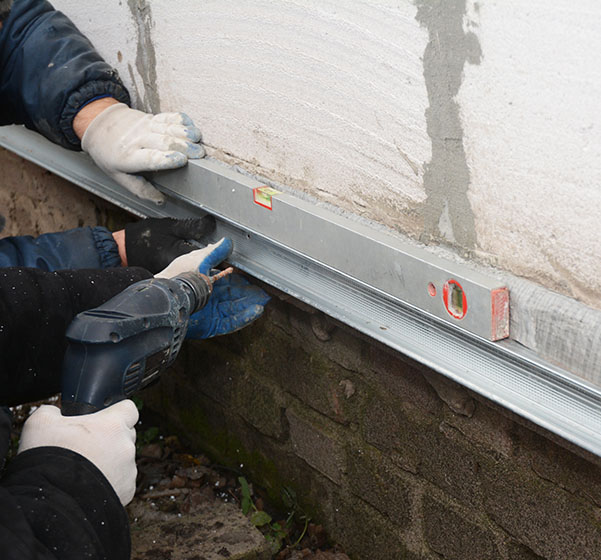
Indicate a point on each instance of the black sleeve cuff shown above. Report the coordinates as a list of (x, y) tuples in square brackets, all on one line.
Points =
[(68, 504)]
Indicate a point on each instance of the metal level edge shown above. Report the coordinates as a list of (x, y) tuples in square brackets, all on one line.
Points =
[(505, 373), (386, 262)]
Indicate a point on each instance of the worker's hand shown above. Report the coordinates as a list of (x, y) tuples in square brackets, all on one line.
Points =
[(201, 260), (124, 142), (234, 303), (106, 438), (155, 242)]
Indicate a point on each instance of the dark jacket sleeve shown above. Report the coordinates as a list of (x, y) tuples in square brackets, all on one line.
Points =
[(48, 71), (76, 248), (36, 307), (54, 503)]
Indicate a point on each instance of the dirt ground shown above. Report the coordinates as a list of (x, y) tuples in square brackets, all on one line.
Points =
[(177, 486), (186, 508)]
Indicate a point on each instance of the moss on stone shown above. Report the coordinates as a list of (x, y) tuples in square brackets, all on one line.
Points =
[(227, 449)]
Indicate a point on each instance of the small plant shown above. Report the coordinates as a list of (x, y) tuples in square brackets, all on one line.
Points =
[(146, 437), (137, 400), (290, 501), (275, 532)]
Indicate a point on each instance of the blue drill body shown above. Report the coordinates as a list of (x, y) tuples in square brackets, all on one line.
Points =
[(124, 345)]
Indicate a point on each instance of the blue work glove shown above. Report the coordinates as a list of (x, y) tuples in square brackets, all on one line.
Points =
[(234, 303)]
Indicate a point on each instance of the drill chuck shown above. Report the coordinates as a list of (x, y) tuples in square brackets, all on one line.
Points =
[(199, 287)]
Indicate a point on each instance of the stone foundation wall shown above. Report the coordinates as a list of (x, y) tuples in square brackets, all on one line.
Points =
[(395, 460)]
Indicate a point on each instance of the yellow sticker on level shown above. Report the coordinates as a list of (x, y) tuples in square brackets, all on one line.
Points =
[(263, 195)]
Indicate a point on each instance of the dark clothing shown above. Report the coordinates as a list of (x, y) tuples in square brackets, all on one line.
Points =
[(54, 503), (36, 307), (48, 71), (76, 248)]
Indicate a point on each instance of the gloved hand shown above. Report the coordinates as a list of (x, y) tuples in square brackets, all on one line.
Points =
[(234, 303), (202, 260), (155, 242), (124, 142), (106, 438)]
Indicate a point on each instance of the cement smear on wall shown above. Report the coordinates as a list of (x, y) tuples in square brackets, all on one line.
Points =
[(145, 56), (447, 211)]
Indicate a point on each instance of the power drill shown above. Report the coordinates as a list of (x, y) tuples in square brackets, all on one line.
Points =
[(124, 345)]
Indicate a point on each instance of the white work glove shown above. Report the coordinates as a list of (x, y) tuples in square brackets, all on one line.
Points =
[(123, 142), (106, 438), (201, 260)]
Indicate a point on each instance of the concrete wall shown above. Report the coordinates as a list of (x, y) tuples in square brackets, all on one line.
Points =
[(472, 125), (469, 124)]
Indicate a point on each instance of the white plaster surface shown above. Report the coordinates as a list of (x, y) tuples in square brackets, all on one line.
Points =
[(109, 27), (324, 96), (328, 96), (532, 133)]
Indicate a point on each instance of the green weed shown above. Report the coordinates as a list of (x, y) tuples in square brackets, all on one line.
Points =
[(277, 533)]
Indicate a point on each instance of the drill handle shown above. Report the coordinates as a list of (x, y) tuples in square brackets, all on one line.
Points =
[(77, 408)]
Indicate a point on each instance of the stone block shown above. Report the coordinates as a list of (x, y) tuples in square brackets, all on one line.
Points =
[(545, 518), (392, 375), (262, 406), (348, 350), (373, 478), (560, 466), (454, 533), (452, 394), (487, 429), (517, 551), (315, 446), (318, 386), (386, 428), (318, 333), (316, 381), (205, 367), (449, 462), (437, 452), (367, 534)]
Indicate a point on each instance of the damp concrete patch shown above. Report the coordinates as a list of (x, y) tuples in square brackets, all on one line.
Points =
[(447, 211), (145, 55)]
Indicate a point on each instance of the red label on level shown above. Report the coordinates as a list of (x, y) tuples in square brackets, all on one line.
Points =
[(500, 313)]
